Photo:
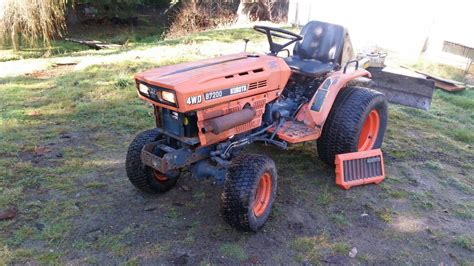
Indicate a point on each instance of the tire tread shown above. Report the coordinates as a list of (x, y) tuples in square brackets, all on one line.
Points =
[(240, 180), (340, 132), (139, 174)]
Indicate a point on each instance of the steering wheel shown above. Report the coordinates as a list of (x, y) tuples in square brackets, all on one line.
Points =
[(275, 48)]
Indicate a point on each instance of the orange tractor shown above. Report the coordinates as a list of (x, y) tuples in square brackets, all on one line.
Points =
[(207, 111)]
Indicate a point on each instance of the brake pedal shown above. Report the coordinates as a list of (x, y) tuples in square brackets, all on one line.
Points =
[(359, 168)]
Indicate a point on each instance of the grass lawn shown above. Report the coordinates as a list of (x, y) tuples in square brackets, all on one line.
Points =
[(63, 140)]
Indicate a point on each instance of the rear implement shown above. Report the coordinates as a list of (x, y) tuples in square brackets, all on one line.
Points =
[(403, 87), (399, 84)]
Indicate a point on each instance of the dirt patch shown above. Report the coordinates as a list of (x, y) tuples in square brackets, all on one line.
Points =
[(56, 70), (313, 221)]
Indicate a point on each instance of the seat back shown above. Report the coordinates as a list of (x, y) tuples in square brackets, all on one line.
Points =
[(321, 41)]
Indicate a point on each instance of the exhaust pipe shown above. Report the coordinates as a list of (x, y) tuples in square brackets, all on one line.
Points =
[(222, 123)]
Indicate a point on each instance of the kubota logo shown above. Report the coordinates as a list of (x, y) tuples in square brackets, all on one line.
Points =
[(194, 100), (373, 160)]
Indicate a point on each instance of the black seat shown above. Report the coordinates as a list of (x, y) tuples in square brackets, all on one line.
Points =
[(320, 50)]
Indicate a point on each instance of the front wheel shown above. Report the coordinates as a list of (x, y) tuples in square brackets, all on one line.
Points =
[(357, 122), (141, 176), (249, 192)]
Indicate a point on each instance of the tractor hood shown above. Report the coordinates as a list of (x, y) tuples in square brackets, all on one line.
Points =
[(212, 81)]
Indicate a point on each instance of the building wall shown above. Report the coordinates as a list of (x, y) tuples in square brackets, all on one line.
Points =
[(401, 26)]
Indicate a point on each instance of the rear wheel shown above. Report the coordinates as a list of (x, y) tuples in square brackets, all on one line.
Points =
[(357, 122), (249, 192), (141, 176)]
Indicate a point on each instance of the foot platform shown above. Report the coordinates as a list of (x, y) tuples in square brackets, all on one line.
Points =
[(294, 132)]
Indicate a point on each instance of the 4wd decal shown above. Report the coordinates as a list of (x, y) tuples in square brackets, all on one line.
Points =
[(194, 100)]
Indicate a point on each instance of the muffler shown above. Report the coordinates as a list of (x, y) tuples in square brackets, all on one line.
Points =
[(222, 123)]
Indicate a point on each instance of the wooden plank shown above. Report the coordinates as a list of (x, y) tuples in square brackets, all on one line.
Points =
[(93, 44), (448, 86), (442, 83)]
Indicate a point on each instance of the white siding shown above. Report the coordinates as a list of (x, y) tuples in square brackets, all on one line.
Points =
[(401, 26)]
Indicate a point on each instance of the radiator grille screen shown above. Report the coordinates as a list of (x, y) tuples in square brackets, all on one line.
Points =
[(357, 169)]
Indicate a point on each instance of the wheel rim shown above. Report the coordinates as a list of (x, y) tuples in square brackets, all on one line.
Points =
[(159, 176), (369, 131), (262, 195)]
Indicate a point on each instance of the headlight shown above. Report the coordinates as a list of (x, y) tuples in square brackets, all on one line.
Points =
[(143, 89), (168, 96)]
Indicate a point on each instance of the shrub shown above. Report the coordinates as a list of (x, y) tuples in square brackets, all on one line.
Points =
[(272, 10), (31, 21), (117, 8), (189, 16)]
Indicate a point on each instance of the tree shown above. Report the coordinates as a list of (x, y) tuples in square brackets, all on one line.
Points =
[(31, 22)]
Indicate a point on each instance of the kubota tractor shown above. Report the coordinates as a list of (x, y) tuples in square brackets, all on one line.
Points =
[(207, 111)]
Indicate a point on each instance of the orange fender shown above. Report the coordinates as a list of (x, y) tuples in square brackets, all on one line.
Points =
[(315, 112)]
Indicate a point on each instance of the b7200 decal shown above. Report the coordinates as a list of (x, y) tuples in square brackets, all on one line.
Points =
[(216, 94), (212, 95)]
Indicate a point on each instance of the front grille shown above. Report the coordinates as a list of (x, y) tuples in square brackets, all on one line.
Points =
[(359, 168), (179, 124), (362, 168), (172, 122)]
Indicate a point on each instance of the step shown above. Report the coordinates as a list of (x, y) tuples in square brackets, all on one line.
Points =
[(295, 132)]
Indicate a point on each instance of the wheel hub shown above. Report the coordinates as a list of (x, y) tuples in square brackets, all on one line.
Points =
[(262, 194), (369, 132), (159, 176)]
